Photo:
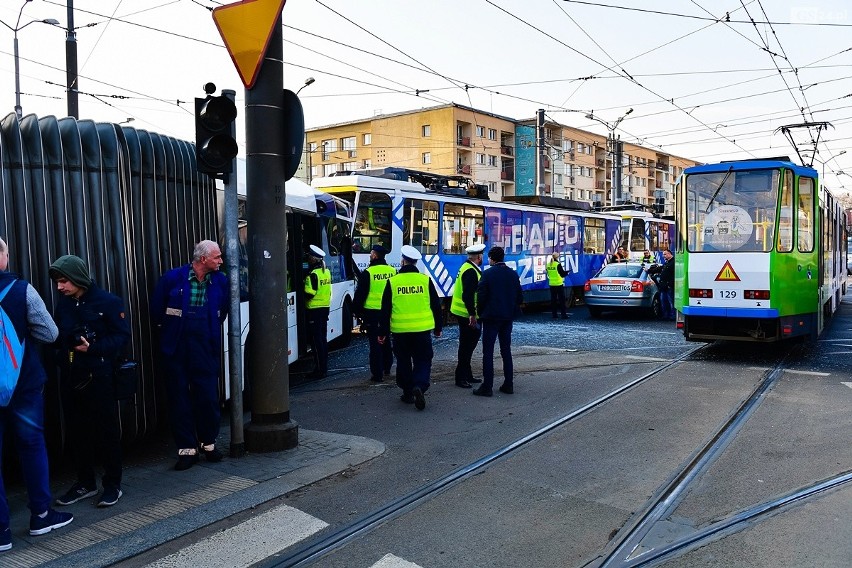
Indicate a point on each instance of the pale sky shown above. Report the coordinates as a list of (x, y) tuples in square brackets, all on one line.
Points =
[(702, 89)]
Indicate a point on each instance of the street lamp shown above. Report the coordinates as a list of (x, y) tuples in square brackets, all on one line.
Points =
[(18, 27), (611, 149), (308, 81), (824, 162)]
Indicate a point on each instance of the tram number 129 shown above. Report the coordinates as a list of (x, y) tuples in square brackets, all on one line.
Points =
[(727, 294)]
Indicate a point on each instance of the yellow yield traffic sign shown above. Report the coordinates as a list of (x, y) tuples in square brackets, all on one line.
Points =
[(245, 28)]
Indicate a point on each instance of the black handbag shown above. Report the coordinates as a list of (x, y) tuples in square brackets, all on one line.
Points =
[(126, 378)]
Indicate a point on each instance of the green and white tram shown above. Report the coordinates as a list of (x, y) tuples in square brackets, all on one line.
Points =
[(759, 252)]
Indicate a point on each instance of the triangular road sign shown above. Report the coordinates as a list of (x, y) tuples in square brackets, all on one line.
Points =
[(245, 28), (727, 274)]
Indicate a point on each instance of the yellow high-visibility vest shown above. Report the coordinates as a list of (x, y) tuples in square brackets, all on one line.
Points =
[(379, 274), (457, 306), (410, 304), (553, 277), (322, 295)]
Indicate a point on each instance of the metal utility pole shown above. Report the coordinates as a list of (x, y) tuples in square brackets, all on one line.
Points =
[(235, 352), (539, 154), (619, 150), (271, 428), (71, 64)]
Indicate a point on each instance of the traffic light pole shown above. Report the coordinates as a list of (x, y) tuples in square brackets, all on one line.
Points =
[(270, 428)]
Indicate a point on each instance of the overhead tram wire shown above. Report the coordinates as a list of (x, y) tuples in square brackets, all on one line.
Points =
[(626, 76), (694, 17)]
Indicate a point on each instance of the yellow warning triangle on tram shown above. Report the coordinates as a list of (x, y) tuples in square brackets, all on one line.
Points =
[(727, 274), (245, 28)]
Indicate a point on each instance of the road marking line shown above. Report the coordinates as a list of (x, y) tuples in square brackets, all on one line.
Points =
[(846, 383), (654, 359), (814, 373), (391, 561), (248, 542)]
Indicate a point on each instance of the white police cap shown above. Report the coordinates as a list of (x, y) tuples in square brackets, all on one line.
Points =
[(316, 251), (410, 253), (475, 249)]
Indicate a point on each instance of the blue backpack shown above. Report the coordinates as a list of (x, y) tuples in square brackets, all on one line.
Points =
[(11, 353)]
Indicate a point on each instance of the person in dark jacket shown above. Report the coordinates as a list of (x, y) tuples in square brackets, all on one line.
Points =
[(498, 301), (24, 415), (93, 333), (411, 310), (666, 284), (189, 305), (367, 305)]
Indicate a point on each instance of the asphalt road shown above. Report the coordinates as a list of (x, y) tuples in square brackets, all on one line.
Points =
[(567, 497)]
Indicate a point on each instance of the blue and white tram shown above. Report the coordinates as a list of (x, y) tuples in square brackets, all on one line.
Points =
[(641, 230), (441, 221)]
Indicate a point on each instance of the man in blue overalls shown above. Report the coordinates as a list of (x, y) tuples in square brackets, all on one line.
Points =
[(189, 305)]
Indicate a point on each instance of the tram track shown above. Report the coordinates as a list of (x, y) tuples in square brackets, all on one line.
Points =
[(312, 551), (630, 550)]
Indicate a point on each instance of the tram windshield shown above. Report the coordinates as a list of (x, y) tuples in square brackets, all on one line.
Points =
[(732, 210)]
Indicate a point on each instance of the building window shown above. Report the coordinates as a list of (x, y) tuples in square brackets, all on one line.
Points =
[(329, 169), (368, 164), (368, 139), (427, 157), (426, 130), (480, 131), (492, 186), (350, 166), (581, 147), (348, 143), (492, 161), (480, 159), (315, 171), (492, 134), (557, 179)]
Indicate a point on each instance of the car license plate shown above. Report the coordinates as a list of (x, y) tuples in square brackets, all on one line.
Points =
[(612, 288)]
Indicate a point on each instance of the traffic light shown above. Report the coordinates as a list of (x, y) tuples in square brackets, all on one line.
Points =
[(215, 146)]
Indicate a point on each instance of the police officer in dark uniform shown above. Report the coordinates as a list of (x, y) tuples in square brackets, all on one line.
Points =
[(463, 306), (93, 333), (411, 310), (556, 280), (318, 293), (368, 306)]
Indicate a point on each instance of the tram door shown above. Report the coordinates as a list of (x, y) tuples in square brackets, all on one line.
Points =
[(303, 230)]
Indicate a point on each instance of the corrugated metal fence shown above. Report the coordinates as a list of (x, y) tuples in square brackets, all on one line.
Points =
[(127, 201)]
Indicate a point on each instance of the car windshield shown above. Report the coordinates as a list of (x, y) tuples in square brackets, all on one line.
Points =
[(621, 271)]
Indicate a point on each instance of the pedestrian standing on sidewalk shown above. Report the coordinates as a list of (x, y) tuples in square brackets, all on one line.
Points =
[(24, 415), (498, 301), (93, 333), (367, 304), (189, 305), (318, 294), (463, 306), (411, 310), (666, 283), (556, 279)]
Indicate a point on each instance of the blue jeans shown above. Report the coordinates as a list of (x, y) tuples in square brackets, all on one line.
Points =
[(25, 417), (667, 303), (491, 331)]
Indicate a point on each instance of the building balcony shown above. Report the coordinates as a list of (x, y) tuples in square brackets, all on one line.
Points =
[(463, 169), (600, 185), (659, 185), (464, 141), (507, 174), (506, 150), (601, 162), (545, 162)]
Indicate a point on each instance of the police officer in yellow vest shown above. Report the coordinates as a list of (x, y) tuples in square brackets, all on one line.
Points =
[(556, 279), (463, 306), (411, 310), (367, 304), (318, 294)]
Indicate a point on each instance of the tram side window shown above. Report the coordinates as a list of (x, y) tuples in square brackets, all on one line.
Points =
[(805, 219), (372, 222), (420, 225), (463, 227), (594, 236), (785, 219), (637, 235)]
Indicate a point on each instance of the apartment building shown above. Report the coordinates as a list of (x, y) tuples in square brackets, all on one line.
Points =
[(498, 152)]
